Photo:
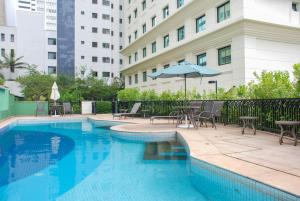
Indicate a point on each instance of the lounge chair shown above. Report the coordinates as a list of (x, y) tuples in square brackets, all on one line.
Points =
[(40, 108), (67, 108), (172, 115), (135, 108), (212, 109)]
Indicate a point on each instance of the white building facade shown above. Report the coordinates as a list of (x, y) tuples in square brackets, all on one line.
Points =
[(236, 37)]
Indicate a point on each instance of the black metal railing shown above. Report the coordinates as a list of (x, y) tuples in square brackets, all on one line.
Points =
[(267, 110)]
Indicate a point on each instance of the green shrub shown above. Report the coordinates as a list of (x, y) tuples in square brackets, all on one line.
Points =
[(129, 94), (1, 81), (103, 107)]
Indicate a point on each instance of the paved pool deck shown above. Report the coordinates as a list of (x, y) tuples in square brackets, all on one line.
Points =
[(259, 156)]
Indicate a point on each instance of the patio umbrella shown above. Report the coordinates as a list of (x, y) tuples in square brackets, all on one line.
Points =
[(54, 93), (185, 70)]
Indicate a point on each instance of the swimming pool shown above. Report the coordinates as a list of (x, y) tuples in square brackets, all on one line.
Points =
[(85, 160)]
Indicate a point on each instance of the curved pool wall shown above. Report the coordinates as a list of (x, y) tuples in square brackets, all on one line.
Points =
[(166, 180)]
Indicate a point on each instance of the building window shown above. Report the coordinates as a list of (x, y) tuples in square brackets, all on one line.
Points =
[(2, 37), (82, 12), (166, 66), (94, 73), (295, 7), (82, 42), (120, 34), (129, 39), (52, 55), (144, 28), (144, 5), (135, 56), (153, 21), (181, 61), (166, 12), (223, 12), (82, 57), (105, 31), (153, 45), (224, 55), (129, 80), (12, 52), (95, 15), (154, 70), (180, 33), (166, 41), (145, 76), (51, 41), (129, 59), (112, 19), (12, 38), (135, 34), (51, 70), (94, 1), (2, 52), (135, 13), (105, 74), (94, 59), (201, 59), (200, 23), (94, 44), (136, 78), (105, 59), (144, 52), (121, 21), (121, 61), (94, 29), (82, 27), (105, 16), (180, 3), (105, 3), (129, 19), (120, 7)]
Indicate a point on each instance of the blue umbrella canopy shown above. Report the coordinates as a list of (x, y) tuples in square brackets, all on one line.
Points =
[(185, 70)]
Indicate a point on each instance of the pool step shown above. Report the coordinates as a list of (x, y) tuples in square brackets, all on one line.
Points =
[(166, 150)]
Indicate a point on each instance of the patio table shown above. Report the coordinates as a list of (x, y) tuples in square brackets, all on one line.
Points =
[(187, 112), (56, 109), (248, 121), (289, 128)]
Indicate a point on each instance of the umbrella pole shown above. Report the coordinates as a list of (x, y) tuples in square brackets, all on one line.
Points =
[(185, 86)]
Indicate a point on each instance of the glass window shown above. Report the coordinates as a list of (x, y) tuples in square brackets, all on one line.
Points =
[(105, 45), (181, 61), (166, 41), (135, 34), (135, 13), (12, 38), (106, 3), (51, 55), (94, 73), (136, 78), (224, 55), (144, 52), (51, 70), (295, 7), (105, 59), (153, 47), (223, 12), (200, 23), (94, 59), (94, 29), (51, 41), (135, 56), (144, 4), (166, 66), (2, 52), (94, 44), (201, 59), (129, 59), (94, 1), (105, 31), (180, 3), (2, 37), (180, 33), (153, 21), (105, 74), (144, 28), (129, 19), (166, 12), (94, 15), (129, 39), (145, 76), (154, 70), (129, 80)]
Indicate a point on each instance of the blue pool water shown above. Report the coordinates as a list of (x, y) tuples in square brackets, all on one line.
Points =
[(78, 161)]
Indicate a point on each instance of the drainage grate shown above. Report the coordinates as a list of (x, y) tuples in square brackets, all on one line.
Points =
[(166, 150)]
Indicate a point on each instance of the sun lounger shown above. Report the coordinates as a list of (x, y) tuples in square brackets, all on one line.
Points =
[(132, 113)]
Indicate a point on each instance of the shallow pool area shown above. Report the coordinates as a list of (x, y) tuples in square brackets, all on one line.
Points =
[(85, 160)]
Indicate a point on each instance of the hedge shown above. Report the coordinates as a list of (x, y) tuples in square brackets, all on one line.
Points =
[(103, 107)]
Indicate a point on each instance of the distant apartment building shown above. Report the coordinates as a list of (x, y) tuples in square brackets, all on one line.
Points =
[(67, 37), (90, 36), (237, 37)]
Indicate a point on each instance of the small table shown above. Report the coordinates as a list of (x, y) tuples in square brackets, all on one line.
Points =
[(288, 127), (56, 109), (248, 121), (144, 112), (187, 112)]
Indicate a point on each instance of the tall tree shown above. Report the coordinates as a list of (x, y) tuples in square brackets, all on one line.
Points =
[(10, 61)]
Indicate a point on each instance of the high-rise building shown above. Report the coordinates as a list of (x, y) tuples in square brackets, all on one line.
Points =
[(237, 37), (2, 13)]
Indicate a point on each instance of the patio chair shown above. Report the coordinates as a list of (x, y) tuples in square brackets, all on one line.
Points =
[(172, 116), (40, 108), (212, 109), (135, 108), (67, 108)]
